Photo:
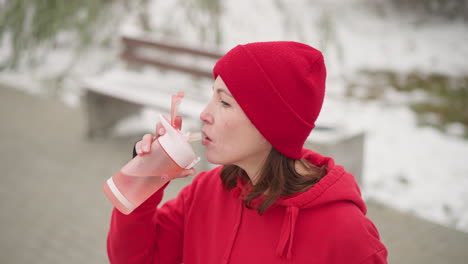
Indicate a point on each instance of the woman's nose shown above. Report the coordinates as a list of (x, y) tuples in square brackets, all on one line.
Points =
[(206, 116)]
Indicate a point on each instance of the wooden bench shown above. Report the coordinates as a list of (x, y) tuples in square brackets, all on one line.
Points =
[(134, 53), (124, 91)]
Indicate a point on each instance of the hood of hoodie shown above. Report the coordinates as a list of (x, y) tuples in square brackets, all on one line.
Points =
[(337, 185)]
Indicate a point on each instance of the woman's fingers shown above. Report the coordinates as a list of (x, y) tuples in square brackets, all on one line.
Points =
[(138, 148), (186, 173), (144, 145), (159, 130), (146, 142)]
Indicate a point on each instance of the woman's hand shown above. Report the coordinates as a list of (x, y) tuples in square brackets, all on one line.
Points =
[(143, 146)]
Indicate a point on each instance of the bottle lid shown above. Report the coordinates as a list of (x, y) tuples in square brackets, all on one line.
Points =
[(176, 145)]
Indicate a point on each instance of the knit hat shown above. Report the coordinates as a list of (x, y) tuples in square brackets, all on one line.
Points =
[(280, 86)]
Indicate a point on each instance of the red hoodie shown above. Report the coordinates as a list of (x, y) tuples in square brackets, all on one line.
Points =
[(208, 224)]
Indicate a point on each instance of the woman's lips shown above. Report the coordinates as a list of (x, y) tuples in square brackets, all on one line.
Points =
[(206, 140)]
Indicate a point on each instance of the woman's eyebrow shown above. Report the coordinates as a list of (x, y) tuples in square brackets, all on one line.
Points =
[(219, 90)]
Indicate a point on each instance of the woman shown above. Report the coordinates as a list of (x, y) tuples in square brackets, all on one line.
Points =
[(270, 200)]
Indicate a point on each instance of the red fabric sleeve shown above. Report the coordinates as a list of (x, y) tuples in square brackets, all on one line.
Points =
[(379, 257), (148, 235)]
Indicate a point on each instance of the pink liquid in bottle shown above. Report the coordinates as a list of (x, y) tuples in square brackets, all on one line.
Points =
[(145, 174), (140, 178)]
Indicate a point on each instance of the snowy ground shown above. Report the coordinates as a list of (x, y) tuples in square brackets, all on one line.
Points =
[(408, 167)]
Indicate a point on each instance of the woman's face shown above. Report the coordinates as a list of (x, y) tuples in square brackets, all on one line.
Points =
[(229, 136)]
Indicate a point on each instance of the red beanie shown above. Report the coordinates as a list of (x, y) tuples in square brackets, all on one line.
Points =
[(280, 86)]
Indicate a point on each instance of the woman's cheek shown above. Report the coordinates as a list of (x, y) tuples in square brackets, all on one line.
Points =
[(227, 126), (231, 120)]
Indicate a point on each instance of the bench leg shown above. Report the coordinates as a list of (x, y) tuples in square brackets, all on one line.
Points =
[(104, 112)]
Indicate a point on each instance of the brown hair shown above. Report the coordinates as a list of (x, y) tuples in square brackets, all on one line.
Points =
[(278, 177)]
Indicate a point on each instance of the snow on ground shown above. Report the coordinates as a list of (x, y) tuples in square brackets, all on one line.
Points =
[(414, 169), (408, 167)]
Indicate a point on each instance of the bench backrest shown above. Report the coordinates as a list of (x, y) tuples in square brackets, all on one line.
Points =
[(168, 56)]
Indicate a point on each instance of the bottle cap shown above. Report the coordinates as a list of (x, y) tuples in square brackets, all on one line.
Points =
[(176, 145)]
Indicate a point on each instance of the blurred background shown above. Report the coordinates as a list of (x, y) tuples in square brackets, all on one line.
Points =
[(397, 76)]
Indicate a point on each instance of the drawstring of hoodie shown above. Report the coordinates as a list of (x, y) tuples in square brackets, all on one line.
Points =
[(285, 243), (287, 232)]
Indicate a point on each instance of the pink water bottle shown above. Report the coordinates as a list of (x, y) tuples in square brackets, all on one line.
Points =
[(142, 176)]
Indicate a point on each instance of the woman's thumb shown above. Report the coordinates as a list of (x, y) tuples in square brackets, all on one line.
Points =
[(187, 173)]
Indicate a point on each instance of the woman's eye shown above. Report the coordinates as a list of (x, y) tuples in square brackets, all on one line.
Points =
[(225, 104)]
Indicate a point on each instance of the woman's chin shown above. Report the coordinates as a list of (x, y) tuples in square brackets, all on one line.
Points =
[(215, 159)]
